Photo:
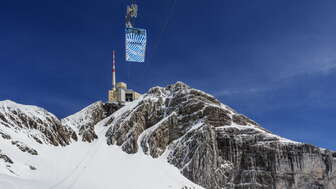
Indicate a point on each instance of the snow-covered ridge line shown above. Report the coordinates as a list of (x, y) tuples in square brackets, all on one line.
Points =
[(258, 130), (8, 106), (41, 173), (34, 123), (207, 141), (82, 117)]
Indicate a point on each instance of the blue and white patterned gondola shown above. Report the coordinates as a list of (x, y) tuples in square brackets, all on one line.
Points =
[(136, 40)]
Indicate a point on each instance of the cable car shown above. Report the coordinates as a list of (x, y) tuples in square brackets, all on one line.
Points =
[(136, 38)]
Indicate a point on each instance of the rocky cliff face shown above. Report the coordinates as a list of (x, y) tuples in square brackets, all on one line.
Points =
[(210, 143), (84, 121), (216, 147), (34, 122)]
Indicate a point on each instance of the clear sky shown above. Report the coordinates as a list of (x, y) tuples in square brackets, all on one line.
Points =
[(273, 60)]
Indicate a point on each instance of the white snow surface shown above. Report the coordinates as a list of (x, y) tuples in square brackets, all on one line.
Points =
[(258, 130), (95, 165), (11, 110), (82, 117), (86, 165), (8, 106)]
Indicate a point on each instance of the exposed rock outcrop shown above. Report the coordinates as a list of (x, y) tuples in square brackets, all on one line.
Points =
[(24, 148), (84, 121), (215, 146), (210, 143), (5, 158), (35, 122)]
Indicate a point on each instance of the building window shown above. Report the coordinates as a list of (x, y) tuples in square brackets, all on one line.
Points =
[(129, 97)]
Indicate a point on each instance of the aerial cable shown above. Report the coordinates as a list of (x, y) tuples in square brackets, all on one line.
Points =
[(129, 73), (162, 31), (165, 26), (135, 37)]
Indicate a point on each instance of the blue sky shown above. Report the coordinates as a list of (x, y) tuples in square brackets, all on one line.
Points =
[(274, 61)]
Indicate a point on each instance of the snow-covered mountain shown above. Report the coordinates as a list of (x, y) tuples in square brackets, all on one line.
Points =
[(172, 137)]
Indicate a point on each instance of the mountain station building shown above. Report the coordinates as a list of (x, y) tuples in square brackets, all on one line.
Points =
[(121, 94)]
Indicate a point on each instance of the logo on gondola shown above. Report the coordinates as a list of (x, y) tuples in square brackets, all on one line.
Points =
[(135, 43)]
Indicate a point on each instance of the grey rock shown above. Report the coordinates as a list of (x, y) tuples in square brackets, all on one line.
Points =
[(216, 147), (83, 122), (209, 142), (28, 119), (5, 158), (24, 148)]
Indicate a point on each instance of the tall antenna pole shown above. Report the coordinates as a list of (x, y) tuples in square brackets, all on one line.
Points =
[(113, 71)]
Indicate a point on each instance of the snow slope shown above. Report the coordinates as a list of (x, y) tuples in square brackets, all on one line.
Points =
[(107, 145), (33, 122), (82, 165)]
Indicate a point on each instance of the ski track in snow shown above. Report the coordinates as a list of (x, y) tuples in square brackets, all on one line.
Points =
[(94, 165)]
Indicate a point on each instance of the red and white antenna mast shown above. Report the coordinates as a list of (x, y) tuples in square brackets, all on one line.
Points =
[(113, 71)]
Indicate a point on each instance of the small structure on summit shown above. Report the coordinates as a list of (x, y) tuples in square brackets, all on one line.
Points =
[(119, 92)]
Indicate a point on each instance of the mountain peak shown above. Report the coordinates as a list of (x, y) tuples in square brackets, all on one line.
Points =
[(208, 142)]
